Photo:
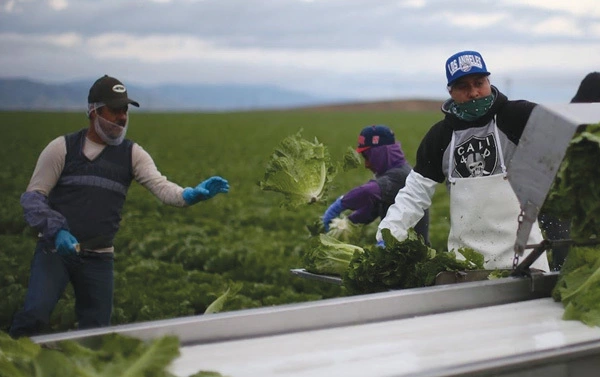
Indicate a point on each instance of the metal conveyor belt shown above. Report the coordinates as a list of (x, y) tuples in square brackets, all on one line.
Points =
[(495, 327), (467, 342)]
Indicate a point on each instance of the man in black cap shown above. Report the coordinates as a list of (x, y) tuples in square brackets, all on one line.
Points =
[(74, 200), (109, 93), (383, 155)]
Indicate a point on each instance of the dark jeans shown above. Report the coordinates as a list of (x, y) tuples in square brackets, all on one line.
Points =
[(91, 275)]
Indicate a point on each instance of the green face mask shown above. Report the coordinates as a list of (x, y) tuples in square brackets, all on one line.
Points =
[(473, 109)]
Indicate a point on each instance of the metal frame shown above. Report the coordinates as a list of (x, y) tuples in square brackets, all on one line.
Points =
[(538, 156), (301, 272), (581, 360), (330, 313), (522, 269)]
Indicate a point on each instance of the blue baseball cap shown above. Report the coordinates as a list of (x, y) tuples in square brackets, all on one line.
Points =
[(464, 63), (374, 136)]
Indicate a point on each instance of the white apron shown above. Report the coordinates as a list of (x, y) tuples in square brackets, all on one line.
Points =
[(484, 215)]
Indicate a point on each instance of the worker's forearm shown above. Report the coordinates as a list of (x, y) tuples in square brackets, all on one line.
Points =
[(146, 173)]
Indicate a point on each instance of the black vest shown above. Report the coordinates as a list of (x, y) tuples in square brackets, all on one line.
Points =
[(91, 194)]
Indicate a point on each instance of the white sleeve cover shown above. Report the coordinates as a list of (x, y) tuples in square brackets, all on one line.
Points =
[(409, 206), (146, 174)]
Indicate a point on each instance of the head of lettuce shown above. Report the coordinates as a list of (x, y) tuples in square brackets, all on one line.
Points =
[(299, 169)]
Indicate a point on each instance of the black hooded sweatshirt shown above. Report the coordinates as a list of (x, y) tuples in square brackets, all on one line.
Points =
[(474, 139)]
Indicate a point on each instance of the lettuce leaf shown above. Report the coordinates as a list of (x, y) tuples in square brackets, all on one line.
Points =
[(351, 159), (217, 305), (578, 285), (299, 169), (575, 193), (329, 256), (403, 264), (103, 356)]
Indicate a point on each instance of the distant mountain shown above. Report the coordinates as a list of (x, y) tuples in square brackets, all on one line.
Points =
[(411, 104), (25, 94)]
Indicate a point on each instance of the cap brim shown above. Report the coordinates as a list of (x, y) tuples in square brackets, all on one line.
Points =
[(121, 102), (468, 74), (362, 149)]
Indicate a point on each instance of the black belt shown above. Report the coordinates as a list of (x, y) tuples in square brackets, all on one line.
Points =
[(95, 255)]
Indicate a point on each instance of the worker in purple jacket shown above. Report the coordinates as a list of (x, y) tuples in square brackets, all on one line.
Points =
[(383, 156)]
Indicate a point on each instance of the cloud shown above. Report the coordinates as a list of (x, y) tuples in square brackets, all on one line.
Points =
[(472, 20), (558, 26), (58, 4), (361, 48), (578, 8)]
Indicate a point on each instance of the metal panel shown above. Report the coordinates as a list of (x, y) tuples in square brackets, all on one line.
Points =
[(515, 339), (444, 277), (539, 154), (579, 359), (330, 313), (301, 272)]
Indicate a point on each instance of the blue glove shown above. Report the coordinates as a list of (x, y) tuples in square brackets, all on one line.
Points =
[(332, 212), (205, 190), (66, 244), (381, 244)]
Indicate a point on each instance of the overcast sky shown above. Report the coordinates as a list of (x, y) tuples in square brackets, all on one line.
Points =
[(364, 49)]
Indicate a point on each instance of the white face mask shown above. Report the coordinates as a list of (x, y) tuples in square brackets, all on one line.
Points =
[(111, 133)]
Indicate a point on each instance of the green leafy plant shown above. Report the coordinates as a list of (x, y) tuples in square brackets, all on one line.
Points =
[(104, 356), (403, 264), (578, 285), (351, 159), (299, 169), (499, 274), (217, 305), (329, 256), (344, 230), (575, 193)]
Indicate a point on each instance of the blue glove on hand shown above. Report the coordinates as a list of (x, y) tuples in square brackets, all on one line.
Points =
[(381, 244), (205, 190), (332, 212), (66, 244)]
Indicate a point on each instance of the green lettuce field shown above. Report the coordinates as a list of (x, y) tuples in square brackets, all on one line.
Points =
[(173, 262)]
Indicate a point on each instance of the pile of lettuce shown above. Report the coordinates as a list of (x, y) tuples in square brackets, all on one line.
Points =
[(342, 229), (403, 264), (300, 170), (102, 356), (578, 286), (575, 193), (398, 265), (329, 256)]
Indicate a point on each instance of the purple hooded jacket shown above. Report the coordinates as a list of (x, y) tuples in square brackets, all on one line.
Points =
[(364, 199)]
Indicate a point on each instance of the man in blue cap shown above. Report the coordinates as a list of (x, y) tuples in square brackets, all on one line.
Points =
[(468, 150), (383, 155), (74, 200)]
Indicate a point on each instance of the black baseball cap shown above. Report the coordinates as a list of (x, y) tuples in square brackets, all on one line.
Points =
[(374, 136), (110, 92)]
